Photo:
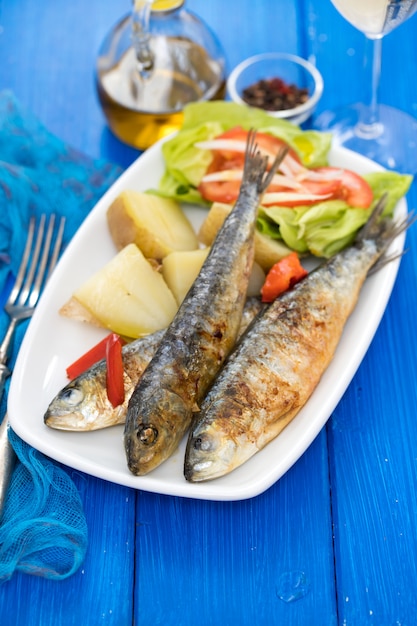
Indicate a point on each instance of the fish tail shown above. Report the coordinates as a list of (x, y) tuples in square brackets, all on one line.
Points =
[(383, 231), (254, 169), (373, 227), (275, 165)]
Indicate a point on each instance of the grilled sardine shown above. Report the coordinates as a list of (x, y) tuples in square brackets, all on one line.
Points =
[(280, 359), (83, 403), (202, 333)]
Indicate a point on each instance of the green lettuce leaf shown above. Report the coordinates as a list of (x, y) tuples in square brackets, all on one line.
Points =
[(325, 228), (186, 164), (322, 229), (391, 183)]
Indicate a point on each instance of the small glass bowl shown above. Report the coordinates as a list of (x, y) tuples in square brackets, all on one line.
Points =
[(290, 68)]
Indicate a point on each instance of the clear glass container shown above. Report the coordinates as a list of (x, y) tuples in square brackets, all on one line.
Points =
[(153, 62)]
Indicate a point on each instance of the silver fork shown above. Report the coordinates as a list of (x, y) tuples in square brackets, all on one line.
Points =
[(38, 261)]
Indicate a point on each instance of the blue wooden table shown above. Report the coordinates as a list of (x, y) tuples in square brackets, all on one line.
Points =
[(335, 540)]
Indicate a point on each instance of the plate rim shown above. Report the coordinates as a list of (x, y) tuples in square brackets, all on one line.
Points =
[(207, 490)]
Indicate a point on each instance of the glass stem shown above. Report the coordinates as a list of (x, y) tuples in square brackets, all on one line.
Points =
[(369, 126)]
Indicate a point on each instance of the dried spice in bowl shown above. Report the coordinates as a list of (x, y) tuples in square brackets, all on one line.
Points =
[(274, 94)]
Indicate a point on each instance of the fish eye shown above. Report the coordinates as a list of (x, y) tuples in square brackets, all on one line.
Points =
[(147, 435), (202, 443), (72, 396)]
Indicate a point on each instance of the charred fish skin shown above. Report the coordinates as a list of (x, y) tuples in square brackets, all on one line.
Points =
[(83, 405), (279, 360), (201, 335)]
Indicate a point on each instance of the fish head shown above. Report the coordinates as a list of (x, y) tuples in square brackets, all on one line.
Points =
[(210, 453), (83, 405), (153, 434)]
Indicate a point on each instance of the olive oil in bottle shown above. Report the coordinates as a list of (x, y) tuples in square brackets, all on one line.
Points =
[(144, 85)]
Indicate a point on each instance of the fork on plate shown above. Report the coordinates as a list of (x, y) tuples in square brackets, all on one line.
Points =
[(42, 249)]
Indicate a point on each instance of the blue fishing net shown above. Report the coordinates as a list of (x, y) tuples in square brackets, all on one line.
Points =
[(43, 530)]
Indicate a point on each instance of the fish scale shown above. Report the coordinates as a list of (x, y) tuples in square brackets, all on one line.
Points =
[(83, 403), (202, 333), (281, 357)]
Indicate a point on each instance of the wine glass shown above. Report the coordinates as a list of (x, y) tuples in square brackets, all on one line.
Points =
[(382, 133)]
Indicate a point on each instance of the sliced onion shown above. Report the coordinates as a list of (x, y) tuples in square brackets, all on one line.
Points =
[(281, 197), (321, 176), (289, 167), (231, 145), (234, 145), (294, 167), (231, 175), (222, 176)]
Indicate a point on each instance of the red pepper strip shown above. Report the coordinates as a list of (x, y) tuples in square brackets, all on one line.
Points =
[(114, 378), (282, 276), (88, 359)]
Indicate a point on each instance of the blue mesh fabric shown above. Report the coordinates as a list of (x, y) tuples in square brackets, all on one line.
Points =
[(43, 530)]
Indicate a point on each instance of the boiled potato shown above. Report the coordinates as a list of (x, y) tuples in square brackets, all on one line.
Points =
[(256, 280), (128, 296), (156, 225), (267, 251), (180, 269), (76, 311)]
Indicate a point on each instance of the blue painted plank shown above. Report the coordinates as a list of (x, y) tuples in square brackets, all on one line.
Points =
[(373, 448), (47, 60), (224, 561), (372, 434), (266, 561), (228, 562), (339, 51), (93, 594)]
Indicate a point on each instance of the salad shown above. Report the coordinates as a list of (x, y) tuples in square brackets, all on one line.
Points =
[(310, 207)]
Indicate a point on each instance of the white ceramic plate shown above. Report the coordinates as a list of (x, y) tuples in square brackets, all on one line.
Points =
[(51, 343)]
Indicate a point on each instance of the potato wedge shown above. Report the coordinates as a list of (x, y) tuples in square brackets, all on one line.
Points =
[(267, 251), (256, 280), (180, 269), (156, 225), (74, 310), (128, 296)]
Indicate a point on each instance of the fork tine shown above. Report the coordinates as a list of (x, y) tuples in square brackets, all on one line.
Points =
[(37, 263), (35, 291), (57, 247), (36, 286), (20, 307), (34, 262), (24, 263)]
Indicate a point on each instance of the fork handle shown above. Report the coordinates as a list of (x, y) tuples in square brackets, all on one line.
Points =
[(4, 375), (7, 461)]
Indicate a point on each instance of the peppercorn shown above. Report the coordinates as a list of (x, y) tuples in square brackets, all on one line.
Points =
[(274, 94)]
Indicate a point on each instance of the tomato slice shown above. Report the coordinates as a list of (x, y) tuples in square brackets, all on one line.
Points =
[(333, 183), (265, 142), (323, 183), (322, 187), (222, 191), (228, 191), (282, 276), (352, 188)]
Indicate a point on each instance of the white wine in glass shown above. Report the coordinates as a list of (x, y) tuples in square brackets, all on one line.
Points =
[(382, 133)]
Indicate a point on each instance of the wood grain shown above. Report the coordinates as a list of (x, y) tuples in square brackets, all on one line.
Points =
[(334, 541)]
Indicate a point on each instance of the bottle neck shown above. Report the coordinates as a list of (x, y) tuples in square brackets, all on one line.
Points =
[(166, 5), (141, 38)]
